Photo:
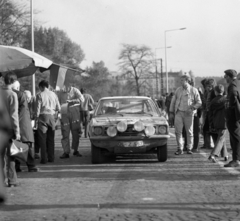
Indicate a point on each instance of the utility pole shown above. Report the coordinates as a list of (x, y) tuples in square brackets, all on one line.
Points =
[(161, 76), (32, 44), (156, 80)]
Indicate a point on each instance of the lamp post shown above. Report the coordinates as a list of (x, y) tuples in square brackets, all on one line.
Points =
[(165, 37), (32, 45)]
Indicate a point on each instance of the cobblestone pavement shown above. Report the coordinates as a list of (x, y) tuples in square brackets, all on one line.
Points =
[(186, 187)]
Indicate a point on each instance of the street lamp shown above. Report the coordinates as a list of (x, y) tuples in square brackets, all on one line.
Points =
[(166, 51)]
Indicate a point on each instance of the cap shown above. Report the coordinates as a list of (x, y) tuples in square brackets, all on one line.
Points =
[(231, 73)]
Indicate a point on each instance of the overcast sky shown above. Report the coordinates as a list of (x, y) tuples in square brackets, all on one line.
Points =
[(209, 45)]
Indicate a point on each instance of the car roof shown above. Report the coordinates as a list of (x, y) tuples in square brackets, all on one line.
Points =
[(122, 97)]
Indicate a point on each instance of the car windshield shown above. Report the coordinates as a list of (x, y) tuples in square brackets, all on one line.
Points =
[(122, 106)]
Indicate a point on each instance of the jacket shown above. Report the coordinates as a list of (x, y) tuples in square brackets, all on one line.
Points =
[(25, 125), (232, 97), (217, 112), (11, 102), (194, 99)]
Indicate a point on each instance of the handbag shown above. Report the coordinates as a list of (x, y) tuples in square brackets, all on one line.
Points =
[(19, 150)]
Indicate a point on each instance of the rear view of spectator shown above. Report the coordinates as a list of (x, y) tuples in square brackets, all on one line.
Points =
[(86, 106), (218, 124), (167, 105), (10, 101), (26, 130)]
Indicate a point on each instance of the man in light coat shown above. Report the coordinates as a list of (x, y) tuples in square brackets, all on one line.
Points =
[(184, 104)]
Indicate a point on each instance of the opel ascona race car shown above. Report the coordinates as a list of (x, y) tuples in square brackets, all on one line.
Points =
[(128, 125)]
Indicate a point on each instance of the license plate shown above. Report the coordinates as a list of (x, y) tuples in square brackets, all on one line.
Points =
[(133, 144)]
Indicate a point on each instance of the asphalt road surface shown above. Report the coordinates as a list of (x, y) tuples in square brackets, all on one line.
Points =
[(186, 187)]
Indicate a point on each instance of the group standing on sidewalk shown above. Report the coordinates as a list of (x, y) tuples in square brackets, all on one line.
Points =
[(220, 113)]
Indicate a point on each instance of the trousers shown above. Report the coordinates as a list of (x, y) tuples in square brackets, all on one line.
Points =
[(234, 133), (46, 135), (219, 143), (184, 118)]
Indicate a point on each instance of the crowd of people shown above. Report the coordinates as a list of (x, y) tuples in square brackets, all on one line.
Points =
[(218, 112), (32, 120)]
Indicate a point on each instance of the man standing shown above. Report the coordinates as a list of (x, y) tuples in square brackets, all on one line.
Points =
[(86, 106), (217, 124), (233, 116), (47, 107), (184, 104), (26, 131), (70, 98), (5, 135), (10, 101)]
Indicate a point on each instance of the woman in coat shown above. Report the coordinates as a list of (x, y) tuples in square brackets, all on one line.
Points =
[(26, 130)]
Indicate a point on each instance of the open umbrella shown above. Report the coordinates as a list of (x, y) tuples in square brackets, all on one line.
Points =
[(25, 63), (22, 61)]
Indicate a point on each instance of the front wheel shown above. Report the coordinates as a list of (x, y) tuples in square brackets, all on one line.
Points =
[(97, 155), (162, 153)]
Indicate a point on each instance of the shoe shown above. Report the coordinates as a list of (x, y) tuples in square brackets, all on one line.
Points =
[(212, 159), (36, 156), (33, 169), (77, 154), (12, 185), (226, 158), (64, 156), (195, 150), (178, 152), (233, 163), (43, 162), (50, 161), (189, 152)]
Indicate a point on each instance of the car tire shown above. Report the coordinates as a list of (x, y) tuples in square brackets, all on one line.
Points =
[(97, 155), (162, 153)]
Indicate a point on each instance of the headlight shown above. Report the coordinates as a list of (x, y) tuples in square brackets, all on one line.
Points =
[(139, 126), (162, 129), (112, 131), (122, 126), (149, 130), (98, 130)]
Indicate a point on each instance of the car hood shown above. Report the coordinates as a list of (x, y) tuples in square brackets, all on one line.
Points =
[(130, 120)]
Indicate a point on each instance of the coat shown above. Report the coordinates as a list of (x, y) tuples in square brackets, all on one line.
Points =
[(233, 98), (217, 112), (26, 130), (193, 99)]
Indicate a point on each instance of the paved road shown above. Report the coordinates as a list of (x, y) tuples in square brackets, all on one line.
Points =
[(186, 187)]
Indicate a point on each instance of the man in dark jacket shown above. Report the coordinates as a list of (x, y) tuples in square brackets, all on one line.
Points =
[(217, 124), (5, 132), (26, 131), (233, 116)]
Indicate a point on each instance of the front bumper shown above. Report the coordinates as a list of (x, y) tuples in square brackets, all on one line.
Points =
[(120, 144)]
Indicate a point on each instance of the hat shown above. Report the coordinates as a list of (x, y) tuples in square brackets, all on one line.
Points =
[(219, 88), (231, 73)]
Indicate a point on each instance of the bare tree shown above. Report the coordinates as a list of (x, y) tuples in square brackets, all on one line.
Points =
[(14, 21), (136, 61)]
